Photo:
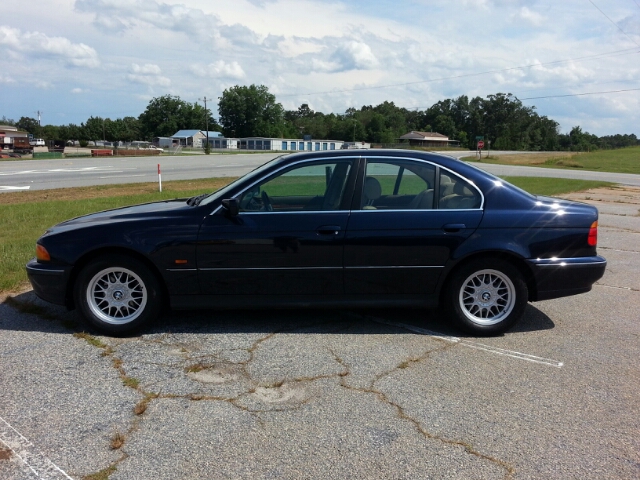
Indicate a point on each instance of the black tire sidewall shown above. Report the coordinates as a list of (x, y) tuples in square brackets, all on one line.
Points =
[(452, 303), (151, 310)]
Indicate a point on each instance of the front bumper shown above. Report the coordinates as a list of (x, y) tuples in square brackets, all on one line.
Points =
[(49, 282), (561, 277)]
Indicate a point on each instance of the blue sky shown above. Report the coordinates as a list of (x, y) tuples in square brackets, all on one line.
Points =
[(71, 59)]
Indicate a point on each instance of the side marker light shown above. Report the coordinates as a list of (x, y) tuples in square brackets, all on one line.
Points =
[(42, 254)]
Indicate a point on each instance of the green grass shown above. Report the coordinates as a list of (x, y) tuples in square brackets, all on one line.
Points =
[(621, 160), (23, 223), (553, 186)]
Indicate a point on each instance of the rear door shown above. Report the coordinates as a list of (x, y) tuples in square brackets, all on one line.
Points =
[(398, 239)]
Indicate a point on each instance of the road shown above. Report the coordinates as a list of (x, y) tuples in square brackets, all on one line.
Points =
[(66, 173), (312, 394)]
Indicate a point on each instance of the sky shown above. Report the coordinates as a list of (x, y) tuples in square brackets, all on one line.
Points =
[(72, 59)]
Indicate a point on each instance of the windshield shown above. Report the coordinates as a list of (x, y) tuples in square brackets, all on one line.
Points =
[(227, 188)]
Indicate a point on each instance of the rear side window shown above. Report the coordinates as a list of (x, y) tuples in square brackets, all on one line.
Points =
[(397, 185), (457, 193)]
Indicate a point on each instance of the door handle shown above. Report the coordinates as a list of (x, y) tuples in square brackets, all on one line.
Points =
[(329, 230), (453, 227)]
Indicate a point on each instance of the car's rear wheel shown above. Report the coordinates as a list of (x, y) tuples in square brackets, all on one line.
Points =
[(117, 294), (486, 297)]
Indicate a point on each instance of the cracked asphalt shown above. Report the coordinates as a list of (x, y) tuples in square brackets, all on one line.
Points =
[(311, 394)]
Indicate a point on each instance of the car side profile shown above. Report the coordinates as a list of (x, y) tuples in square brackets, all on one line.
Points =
[(330, 229)]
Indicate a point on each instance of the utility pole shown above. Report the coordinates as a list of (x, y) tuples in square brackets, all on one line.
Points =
[(39, 124), (206, 116)]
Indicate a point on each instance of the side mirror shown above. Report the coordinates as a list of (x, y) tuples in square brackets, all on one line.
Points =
[(231, 206)]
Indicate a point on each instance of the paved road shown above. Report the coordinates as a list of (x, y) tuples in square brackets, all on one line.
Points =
[(65, 173), (337, 394)]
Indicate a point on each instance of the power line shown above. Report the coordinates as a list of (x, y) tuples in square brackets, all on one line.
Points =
[(626, 51), (617, 26), (582, 94)]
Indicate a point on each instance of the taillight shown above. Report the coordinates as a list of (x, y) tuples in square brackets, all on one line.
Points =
[(593, 234), (42, 254)]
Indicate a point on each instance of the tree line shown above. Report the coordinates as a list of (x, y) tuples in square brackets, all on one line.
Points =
[(252, 111)]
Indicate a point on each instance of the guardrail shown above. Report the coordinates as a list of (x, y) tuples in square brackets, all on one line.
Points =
[(101, 152)]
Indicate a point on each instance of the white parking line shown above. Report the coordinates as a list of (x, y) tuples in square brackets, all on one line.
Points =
[(124, 176), (478, 346), (14, 188), (22, 448)]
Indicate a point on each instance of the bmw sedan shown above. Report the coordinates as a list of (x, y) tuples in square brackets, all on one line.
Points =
[(327, 229)]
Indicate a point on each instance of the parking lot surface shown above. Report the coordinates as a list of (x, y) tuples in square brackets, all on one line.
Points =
[(334, 394)]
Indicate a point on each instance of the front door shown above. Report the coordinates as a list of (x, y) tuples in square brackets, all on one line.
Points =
[(288, 238)]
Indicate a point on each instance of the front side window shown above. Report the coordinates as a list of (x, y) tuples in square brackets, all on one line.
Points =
[(398, 185), (307, 187)]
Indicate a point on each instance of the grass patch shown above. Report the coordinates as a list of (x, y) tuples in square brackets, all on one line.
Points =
[(103, 474), (131, 382), (117, 441), (621, 160), (91, 340), (554, 186)]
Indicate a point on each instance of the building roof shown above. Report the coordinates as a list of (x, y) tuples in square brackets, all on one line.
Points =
[(424, 136), (186, 133), (212, 134)]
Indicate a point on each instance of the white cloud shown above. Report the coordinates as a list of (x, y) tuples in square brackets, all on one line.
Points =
[(355, 55), (413, 53), (39, 45), (220, 69), (147, 69), (529, 16), (148, 74), (6, 79)]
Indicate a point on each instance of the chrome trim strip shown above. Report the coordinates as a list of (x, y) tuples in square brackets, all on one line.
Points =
[(564, 263), (296, 212), (421, 210), (394, 267), (267, 268), (44, 270), (181, 269)]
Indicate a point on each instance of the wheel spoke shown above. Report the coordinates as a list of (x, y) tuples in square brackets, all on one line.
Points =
[(116, 295), (487, 297)]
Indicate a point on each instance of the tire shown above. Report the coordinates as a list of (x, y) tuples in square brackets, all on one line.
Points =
[(117, 294), (486, 297)]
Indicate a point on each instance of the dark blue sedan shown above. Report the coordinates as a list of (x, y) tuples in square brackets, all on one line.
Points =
[(327, 229)]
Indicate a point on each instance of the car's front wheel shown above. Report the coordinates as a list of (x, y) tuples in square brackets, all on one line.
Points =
[(117, 294), (486, 297)]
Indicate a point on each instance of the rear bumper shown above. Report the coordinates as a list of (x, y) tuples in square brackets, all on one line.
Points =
[(561, 277), (49, 282)]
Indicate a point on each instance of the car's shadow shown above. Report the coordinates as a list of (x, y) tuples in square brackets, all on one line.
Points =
[(25, 312)]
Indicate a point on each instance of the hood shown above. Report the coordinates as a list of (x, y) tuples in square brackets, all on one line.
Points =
[(155, 210)]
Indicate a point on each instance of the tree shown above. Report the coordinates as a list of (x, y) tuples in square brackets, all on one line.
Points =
[(165, 115), (251, 112), (28, 124), (7, 121), (93, 129)]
